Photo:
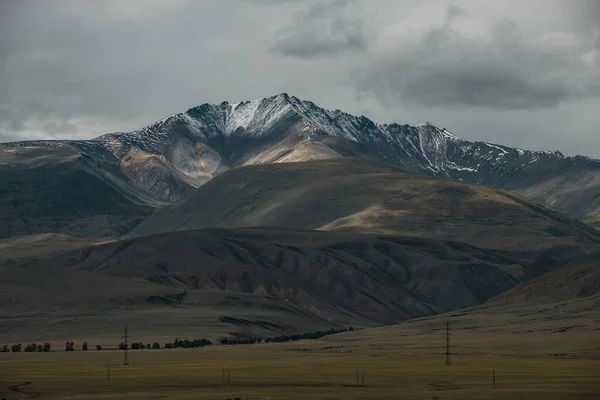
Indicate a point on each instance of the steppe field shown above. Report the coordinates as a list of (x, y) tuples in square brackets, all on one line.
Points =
[(539, 359)]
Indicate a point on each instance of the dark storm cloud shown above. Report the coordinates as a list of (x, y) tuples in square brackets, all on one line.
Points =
[(325, 28), (446, 68)]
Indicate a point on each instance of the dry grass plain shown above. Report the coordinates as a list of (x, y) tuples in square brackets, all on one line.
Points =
[(285, 372), (279, 372), (538, 352)]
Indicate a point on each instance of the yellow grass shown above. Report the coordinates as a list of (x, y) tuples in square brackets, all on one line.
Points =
[(539, 351), (300, 370)]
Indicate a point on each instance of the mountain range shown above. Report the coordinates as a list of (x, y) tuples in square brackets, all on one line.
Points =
[(146, 169), (276, 215)]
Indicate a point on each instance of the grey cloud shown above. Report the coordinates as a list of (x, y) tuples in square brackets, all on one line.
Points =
[(325, 28), (584, 13), (278, 2), (446, 68), (453, 13)]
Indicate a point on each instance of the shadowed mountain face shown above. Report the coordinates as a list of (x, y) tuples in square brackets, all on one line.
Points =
[(575, 280), (59, 187), (355, 194), (166, 160), (298, 280)]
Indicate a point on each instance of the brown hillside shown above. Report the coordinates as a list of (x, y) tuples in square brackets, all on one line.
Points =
[(294, 280), (360, 195), (575, 280)]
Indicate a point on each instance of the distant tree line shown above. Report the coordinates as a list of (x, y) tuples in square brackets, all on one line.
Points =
[(283, 338), (185, 344), (41, 348), (30, 348)]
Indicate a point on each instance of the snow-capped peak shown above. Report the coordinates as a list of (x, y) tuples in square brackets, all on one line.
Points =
[(256, 116), (434, 149), (198, 144)]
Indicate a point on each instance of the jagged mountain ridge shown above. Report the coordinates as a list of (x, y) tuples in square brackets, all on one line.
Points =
[(168, 159), (283, 128)]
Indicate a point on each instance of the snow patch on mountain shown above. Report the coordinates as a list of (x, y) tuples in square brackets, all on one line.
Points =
[(242, 115), (502, 150)]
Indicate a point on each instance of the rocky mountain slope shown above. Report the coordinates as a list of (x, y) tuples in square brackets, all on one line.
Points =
[(166, 160)]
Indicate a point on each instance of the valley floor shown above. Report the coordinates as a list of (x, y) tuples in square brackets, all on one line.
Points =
[(534, 356), (309, 371)]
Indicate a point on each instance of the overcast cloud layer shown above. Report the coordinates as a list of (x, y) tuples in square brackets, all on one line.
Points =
[(521, 73)]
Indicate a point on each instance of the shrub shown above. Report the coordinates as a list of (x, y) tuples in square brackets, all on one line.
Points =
[(31, 348), (187, 344), (247, 340), (283, 338)]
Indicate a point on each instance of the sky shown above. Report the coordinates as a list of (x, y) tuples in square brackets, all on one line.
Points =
[(522, 73)]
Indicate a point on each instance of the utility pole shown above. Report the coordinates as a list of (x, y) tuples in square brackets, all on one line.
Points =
[(126, 357), (448, 343)]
